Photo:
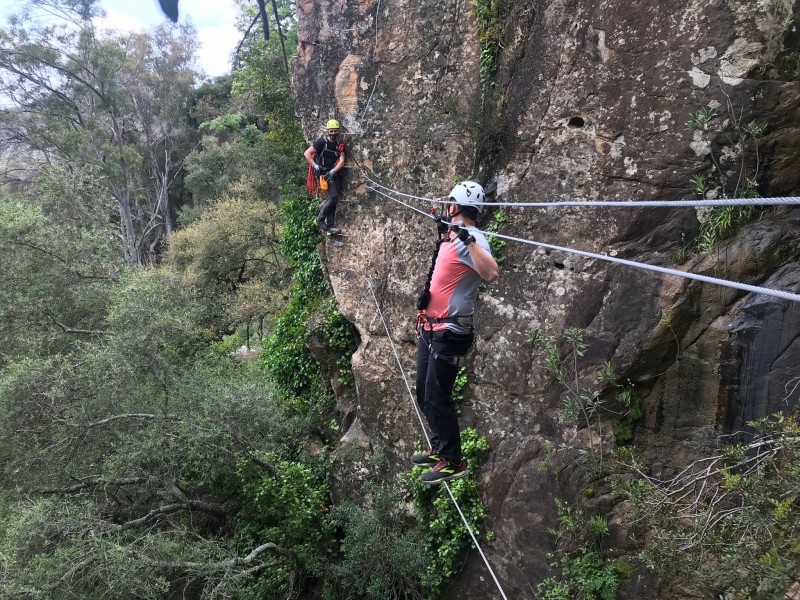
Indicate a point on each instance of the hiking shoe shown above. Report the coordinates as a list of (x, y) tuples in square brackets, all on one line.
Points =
[(333, 230), (322, 226), (429, 458), (445, 471)]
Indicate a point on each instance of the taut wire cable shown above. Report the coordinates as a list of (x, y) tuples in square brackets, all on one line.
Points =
[(776, 201), (685, 274)]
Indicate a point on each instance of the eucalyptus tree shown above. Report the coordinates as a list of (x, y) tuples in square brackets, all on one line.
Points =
[(80, 96)]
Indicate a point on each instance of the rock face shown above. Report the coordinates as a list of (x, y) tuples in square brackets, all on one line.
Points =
[(589, 101)]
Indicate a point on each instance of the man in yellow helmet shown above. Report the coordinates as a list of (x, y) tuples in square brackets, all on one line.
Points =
[(327, 157)]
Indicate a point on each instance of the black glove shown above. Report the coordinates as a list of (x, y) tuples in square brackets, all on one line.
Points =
[(331, 175), (463, 234), (440, 227), (423, 300)]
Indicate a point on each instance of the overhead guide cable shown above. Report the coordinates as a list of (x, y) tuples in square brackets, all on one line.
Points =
[(776, 201), (685, 274)]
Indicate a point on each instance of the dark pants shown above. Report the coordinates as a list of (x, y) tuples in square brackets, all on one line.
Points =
[(437, 368), (327, 214)]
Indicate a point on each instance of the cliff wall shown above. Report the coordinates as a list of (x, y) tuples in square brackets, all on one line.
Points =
[(589, 100)]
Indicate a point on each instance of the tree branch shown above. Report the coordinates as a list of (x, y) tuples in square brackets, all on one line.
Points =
[(66, 329), (94, 482)]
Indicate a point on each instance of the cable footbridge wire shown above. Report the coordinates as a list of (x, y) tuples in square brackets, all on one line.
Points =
[(685, 274), (425, 433), (776, 201)]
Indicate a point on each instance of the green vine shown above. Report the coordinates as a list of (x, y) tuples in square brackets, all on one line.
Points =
[(460, 385), (287, 359), (341, 336), (299, 240), (490, 37)]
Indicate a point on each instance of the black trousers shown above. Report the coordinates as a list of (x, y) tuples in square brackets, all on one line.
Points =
[(438, 363), (327, 214)]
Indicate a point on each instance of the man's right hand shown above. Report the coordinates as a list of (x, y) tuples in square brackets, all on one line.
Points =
[(318, 170)]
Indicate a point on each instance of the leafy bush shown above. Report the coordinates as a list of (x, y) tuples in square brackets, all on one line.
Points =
[(728, 522), (285, 503), (585, 574), (380, 555), (341, 336)]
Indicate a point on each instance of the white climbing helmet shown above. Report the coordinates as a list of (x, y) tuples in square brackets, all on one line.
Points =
[(468, 193)]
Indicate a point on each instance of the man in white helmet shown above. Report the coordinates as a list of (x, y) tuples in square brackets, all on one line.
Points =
[(446, 333)]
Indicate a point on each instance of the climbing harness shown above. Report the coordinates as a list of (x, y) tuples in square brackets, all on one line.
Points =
[(316, 184), (425, 295)]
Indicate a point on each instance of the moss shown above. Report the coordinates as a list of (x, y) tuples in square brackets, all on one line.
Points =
[(624, 428)]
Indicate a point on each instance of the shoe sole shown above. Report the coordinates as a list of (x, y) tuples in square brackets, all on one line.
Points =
[(447, 478), (428, 461)]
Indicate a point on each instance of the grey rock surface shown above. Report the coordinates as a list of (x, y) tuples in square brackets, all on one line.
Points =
[(593, 100)]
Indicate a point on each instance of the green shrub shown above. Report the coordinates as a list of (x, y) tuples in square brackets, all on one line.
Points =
[(380, 551), (299, 240), (584, 573), (286, 503), (341, 336), (727, 522)]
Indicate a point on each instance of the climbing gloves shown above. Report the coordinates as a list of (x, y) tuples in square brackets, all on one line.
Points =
[(317, 170), (331, 175), (463, 234)]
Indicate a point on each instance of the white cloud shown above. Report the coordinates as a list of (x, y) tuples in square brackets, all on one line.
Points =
[(209, 13), (217, 45), (119, 21), (214, 20)]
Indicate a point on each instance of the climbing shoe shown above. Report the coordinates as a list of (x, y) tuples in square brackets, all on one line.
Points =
[(322, 226), (333, 230), (429, 458), (445, 471)]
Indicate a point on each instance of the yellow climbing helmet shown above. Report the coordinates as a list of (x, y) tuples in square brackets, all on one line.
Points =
[(332, 124)]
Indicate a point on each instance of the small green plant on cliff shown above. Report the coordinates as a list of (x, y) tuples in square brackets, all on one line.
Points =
[(439, 521), (460, 385), (490, 36), (584, 571), (729, 522), (586, 404), (497, 244), (340, 335), (733, 149), (487, 125)]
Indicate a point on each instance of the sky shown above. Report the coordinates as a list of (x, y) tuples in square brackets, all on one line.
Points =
[(213, 19)]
